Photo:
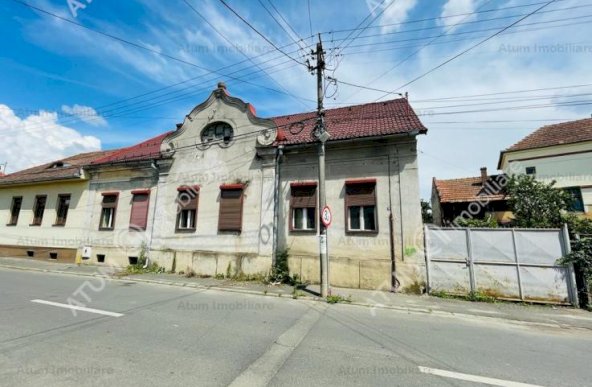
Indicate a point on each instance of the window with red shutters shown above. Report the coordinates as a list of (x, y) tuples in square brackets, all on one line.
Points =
[(360, 206), (139, 215), (303, 207), (231, 209)]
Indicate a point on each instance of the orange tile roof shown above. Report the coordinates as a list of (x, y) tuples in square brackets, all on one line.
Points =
[(70, 169), (372, 119), (468, 189), (557, 134)]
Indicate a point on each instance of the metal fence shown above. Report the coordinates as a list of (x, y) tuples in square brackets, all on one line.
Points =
[(517, 264)]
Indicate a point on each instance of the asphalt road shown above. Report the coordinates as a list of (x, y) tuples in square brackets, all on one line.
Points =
[(151, 335)]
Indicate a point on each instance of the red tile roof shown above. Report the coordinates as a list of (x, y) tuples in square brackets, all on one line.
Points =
[(467, 190), (372, 119), (68, 168), (557, 134), (146, 150)]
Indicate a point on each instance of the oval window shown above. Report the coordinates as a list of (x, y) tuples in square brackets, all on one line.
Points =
[(219, 132)]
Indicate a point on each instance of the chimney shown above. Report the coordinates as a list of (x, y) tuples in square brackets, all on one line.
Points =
[(484, 175)]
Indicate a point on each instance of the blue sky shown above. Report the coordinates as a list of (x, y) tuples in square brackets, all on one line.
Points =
[(63, 88)]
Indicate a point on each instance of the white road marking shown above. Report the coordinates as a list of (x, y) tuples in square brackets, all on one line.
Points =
[(80, 308), (473, 378), (262, 370)]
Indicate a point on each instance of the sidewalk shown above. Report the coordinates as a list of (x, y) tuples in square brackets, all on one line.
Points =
[(540, 315)]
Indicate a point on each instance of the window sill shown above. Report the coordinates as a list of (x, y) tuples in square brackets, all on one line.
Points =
[(185, 230), (34, 225), (58, 225), (361, 232), (11, 225), (229, 232), (106, 229), (303, 232)]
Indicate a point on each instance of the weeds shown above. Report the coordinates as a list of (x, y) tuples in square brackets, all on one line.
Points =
[(335, 299), (472, 296)]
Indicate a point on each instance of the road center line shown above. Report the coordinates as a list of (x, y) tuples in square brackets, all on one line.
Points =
[(80, 308), (262, 370), (473, 378)]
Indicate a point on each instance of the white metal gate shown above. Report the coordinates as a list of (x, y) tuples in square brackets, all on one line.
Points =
[(518, 264)]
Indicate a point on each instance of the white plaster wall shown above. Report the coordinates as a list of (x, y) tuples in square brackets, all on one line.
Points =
[(72, 235)]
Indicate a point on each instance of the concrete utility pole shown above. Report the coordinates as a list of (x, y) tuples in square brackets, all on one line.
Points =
[(321, 134)]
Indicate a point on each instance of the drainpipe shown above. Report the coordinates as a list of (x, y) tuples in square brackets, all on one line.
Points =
[(394, 281), (154, 166), (276, 200)]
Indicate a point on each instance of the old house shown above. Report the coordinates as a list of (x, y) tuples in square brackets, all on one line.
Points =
[(560, 152), (470, 198), (226, 191)]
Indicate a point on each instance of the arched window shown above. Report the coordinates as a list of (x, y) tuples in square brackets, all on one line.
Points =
[(220, 132)]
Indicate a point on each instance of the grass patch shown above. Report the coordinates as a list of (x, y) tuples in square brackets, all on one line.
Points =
[(139, 269), (472, 296), (336, 299)]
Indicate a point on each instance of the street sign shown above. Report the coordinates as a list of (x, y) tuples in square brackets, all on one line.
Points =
[(326, 216)]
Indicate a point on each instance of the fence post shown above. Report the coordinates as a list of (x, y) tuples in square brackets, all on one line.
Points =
[(470, 261), (570, 273), (520, 291), (426, 248)]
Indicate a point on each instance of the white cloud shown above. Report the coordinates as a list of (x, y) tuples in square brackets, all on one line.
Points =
[(85, 114), (396, 13), (39, 139), (457, 7)]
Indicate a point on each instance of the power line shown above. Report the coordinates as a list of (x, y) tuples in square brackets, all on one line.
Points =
[(241, 51), (473, 47), (414, 21), (297, 41), (418, 50), (259, 33), (154, 51)]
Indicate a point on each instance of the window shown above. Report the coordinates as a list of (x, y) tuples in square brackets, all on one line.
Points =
[(38, 210), (15, 210), (303, 207), (231, 208), (187, 211), (220, 132), (360, 205), (62, 209), (578, 202), (108, 211), (139, 215), (531, 170)]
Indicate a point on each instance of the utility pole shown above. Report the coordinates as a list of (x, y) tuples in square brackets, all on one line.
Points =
[(322, 135)]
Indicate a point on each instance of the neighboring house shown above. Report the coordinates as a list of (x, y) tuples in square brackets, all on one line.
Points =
[(470, 198), (560, 152), (227, 190), (38, 204)]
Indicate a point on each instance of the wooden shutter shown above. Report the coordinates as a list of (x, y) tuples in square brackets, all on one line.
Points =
[(360, 194), (63, 207), (139, 216), (303, 196), (40, 202), (231, 209), (188, 197), (17, 203)]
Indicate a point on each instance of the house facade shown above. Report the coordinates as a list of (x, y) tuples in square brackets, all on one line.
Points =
[(227, 191), (470, 198), (561, 153)]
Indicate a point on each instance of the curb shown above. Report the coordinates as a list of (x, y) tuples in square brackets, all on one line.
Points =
[(309, 298)]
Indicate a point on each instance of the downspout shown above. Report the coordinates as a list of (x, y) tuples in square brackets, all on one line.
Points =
[(276, 201), (154, 166), (394, 281)]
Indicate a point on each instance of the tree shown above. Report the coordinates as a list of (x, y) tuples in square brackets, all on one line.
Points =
[(426, 212), (536, 204)]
